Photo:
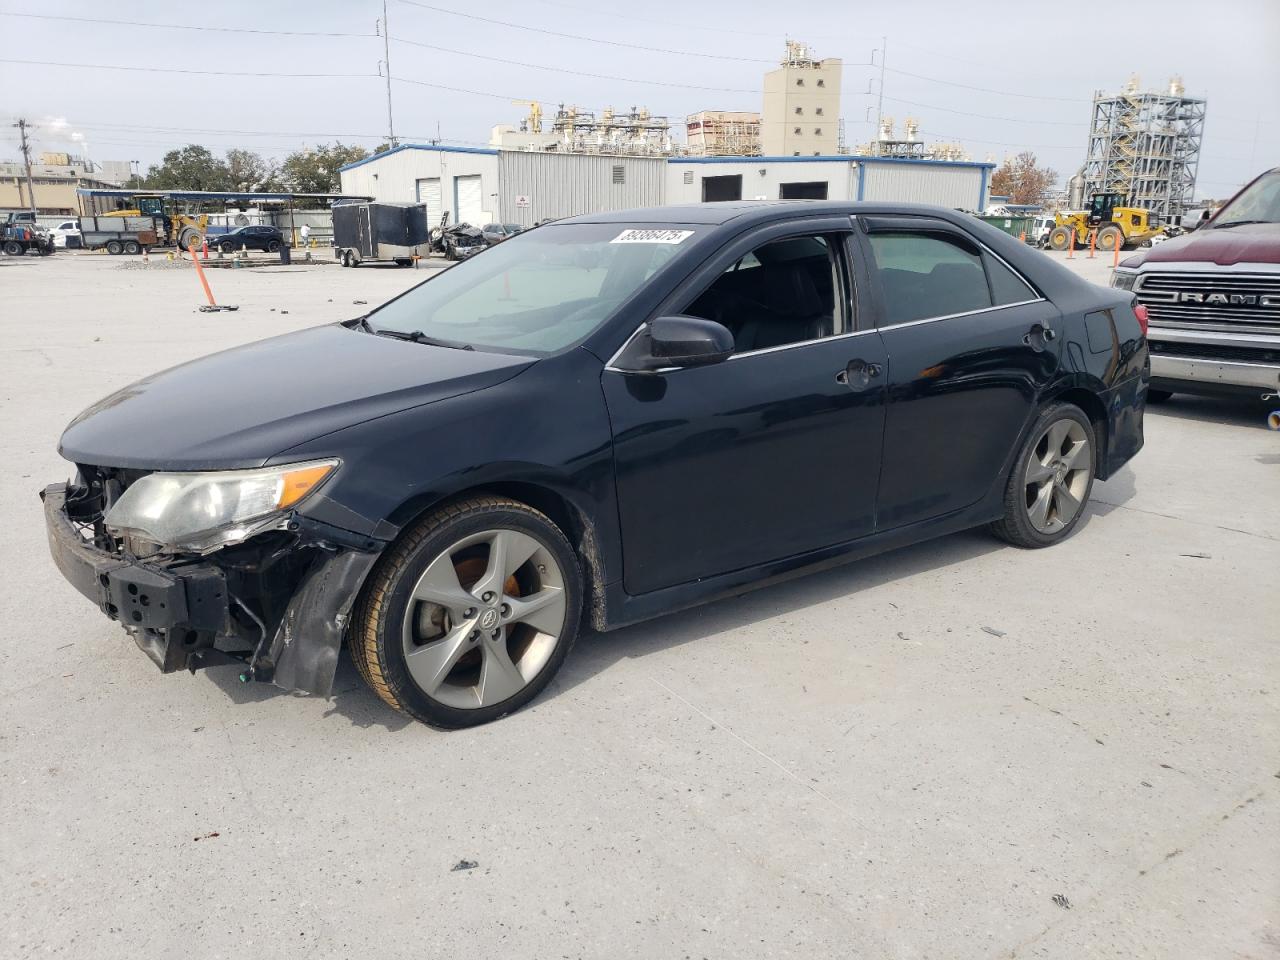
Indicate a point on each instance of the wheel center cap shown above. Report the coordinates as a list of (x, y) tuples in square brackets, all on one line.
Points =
[(1059, 472), (489, 619)]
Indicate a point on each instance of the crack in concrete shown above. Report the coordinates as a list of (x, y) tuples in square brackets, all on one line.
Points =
[(1198, 523)]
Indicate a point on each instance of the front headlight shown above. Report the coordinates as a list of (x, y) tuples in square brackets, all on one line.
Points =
[(1123, 279), (200, 512)]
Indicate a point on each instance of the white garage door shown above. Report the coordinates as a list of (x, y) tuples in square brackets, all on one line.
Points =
[(429, 193), (470, 200)]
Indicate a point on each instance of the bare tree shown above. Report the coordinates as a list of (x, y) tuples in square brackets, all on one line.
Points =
[(1022, 180)]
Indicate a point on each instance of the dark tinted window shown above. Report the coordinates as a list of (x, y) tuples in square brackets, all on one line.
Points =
[(928, 275), (782, 292), (1006, 286)]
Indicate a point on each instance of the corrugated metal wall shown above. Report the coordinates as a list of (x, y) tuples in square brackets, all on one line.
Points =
[(924, 183), (565, 185)]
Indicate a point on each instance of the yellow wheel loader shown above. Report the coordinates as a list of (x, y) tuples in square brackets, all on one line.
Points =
[(1117, 225)]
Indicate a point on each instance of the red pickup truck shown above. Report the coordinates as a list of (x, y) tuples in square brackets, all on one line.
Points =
[(1213, 298)]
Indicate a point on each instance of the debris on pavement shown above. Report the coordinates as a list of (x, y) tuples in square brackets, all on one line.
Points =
[(1062, 901), (463, 865), (207, 836), (994, 632), (1197, 556)]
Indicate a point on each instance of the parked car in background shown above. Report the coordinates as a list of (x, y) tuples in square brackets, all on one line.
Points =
[(602, 420), (1213, 295), (497, 232), (251, 238), (67, 235)]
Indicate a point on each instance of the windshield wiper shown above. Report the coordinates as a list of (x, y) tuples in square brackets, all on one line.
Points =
[(417, 336), (1237, 223)]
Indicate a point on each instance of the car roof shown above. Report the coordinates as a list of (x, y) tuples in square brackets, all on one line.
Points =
[(745, 212)]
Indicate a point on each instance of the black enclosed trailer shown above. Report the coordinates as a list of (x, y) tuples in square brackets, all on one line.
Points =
[(379, 231)]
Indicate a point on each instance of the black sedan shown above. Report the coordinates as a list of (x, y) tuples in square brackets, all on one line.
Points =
[(602, 420), (251, 238)]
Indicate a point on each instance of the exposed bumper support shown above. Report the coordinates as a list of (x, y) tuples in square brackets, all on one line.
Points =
[(183, 615)]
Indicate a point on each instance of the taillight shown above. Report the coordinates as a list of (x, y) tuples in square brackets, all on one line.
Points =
[(1140, 311)]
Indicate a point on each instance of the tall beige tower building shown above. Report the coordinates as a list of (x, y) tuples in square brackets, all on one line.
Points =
[(801, 115)]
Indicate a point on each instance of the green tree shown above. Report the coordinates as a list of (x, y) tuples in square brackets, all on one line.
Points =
[(1022, 179), (247, 170), (191, 168), (315, 169)]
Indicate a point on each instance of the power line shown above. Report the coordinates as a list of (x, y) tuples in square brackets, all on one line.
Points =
[(1002, 93), (578, 36), (576, 73), (205, 73), (986, 116), (180, 26)]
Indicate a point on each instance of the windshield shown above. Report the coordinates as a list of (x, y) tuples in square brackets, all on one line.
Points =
[(1260, 202), (538, 292)]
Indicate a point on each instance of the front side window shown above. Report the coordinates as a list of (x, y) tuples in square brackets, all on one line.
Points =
[(927, 275), (784, 291), (539, 292)]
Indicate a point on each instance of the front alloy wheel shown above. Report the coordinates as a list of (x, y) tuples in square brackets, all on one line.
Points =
[(470, 615)]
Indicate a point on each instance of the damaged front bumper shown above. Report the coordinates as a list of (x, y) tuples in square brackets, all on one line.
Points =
[(278, 604)]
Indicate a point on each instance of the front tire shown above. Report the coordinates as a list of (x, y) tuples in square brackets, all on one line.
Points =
[(469, 616), (1061, 238), (1052, 477)]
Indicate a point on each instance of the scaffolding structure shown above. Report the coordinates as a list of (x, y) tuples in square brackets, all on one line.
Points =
[(722, 133), (1146, 146)]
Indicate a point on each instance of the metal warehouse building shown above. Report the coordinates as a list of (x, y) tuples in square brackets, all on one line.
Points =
[(479, 185)]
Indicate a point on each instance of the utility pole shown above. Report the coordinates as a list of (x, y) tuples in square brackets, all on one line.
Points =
[(22, 126), (386, 62), (884, 43)]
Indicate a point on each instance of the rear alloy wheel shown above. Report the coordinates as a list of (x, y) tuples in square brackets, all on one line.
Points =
[(1051, 479), (273, 246), (470, 615)]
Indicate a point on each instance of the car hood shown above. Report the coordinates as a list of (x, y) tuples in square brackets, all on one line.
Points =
[(240, 407), (1249, 243)]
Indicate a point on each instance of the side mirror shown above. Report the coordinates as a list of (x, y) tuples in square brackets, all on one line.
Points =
[(681, 341)]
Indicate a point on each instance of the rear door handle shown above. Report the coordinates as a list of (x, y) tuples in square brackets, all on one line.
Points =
[(858, 374), (1039, 332)]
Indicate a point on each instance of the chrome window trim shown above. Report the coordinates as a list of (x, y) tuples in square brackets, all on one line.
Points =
[(966, 313), (736, 356)]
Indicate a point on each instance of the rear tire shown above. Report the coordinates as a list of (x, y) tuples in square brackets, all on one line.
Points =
[(1159, 396), (115, 247), (1048, 488), (13, 248), (448, 635), (273, 246), (132, 247)]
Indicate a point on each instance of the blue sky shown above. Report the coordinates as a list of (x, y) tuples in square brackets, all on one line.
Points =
[(997, 77)]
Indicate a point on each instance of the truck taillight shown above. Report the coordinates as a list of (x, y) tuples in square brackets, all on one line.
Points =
[(1140, 311)]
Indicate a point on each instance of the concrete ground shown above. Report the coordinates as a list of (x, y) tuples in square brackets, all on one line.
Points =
[(959, 750)]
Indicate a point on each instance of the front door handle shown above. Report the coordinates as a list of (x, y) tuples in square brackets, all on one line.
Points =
[(858, 374)]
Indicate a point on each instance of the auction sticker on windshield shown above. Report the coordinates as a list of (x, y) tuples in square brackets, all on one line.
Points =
[(651, 236)]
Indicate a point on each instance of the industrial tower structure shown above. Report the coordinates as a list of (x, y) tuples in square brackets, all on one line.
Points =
[(1146, 146)]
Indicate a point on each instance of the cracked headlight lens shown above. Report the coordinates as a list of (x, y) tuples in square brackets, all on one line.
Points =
[(200, 512)]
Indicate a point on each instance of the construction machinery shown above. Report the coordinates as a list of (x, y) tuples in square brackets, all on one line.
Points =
[(1117, 225)]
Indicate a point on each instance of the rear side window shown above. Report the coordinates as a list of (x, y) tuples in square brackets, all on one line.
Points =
[(928, 275), (1006, 286)]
